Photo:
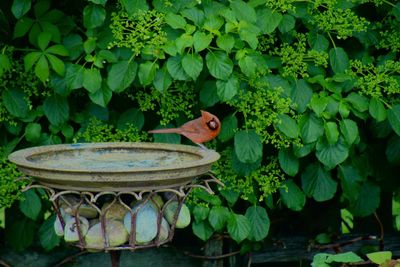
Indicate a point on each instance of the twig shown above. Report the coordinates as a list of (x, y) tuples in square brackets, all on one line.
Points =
[(4, 264), (217, 257), (381, 239), (339, 245), (70, 258), (360, 263)]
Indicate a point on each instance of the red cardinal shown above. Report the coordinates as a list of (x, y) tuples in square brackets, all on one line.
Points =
[(199, 130)]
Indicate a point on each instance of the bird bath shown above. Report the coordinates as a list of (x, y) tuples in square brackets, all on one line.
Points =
[(86, 181)]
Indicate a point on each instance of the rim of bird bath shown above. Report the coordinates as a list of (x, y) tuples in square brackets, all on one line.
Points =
[(114, 166)]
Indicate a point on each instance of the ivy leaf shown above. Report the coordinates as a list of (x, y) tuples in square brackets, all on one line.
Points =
[(131, 116), (200, 213), (367, 200), (377, 109), (218, 217), (248, 146), (93, 16), (268, 20), (288, 126), (238, 227), (162, 80), (338, 59), (226, 42), (394, 118), (147, 72), (20, 7), (292, 196), (259, 222), (174, 66), (193, 65), (311, 128), (201, 41), (175, 21), (332, 154), (331, 132), (202, 230), (288, 161), (15, 102), (219, 65), (226, 90), (92, 79), (349, 130), (243, 11), (47, 235), (31, 204), (228, 127), (121, 75), (316, 182), (102, 96), (56, 109)]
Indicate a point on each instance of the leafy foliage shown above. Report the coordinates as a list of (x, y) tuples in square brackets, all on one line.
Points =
[(307, 92)]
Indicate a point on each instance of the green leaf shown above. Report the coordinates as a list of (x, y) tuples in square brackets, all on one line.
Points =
[(317, 183), (58, 50), (350, 179), (248, 66), (228, 127), (243, 11), (268, 20), (99, 2), (379, 257), (226, 90), (193, 65), (347, 257), (201, 41), (238, 227), (121, 75), (31, 204), (292, 196), (259, 222), (56, 64), (93, 16), (5, 64), (15, 102), (393, 150), (102, 96), (42, 69), (32, 132), (194, 14), (147, 72), (318, 42), (318, 104), (202, 230), (287, 23), (248, 146), (74, 76), (208, 94), (47, 235), (219, 64), (359, 102), (226, 42), (349, 130), (56, 109), (134, 6), (331, 132), (131, 116), (22, 27), (174, 66), (200, 213), (394, 118), (301, 95), (92, 79), (73, 44), (167, 138), (218, 217), (311, 128), (338, 59), (20, 234), (230, 195), (175, 21), (162, 81), (243, 168), (288, 161), (288, 126), (44, 40), (377, 109), (183, 41), (367, 201), (20, 7), (332, 154)]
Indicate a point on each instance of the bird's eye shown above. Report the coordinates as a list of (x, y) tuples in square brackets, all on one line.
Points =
[(212, 124)]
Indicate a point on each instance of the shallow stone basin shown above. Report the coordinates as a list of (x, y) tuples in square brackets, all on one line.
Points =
[(114, 166)]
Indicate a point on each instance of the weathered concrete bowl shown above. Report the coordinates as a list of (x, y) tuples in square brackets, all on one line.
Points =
[(114, 166)]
